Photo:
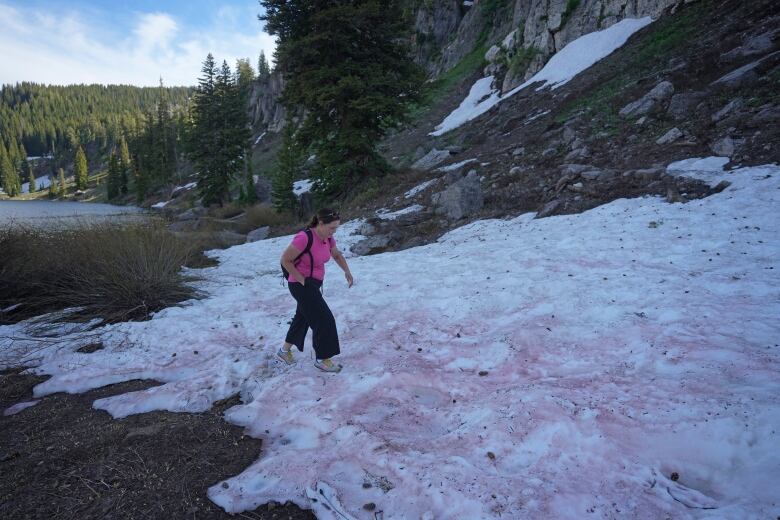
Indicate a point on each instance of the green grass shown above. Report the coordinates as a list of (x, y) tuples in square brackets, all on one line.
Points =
[(571, 6), (435, 90), (520, 61)]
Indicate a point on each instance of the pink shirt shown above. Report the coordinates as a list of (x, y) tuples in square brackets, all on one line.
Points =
[(320, 251)]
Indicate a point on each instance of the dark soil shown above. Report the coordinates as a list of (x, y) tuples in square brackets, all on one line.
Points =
[(62, 459)]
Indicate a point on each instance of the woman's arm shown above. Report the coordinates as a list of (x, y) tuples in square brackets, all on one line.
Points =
[(342, 262), (288, 259)]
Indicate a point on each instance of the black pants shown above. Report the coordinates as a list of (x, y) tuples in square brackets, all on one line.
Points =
[(312, 311)]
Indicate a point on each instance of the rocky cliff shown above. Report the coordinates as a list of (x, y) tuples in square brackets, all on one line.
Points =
[(518, 37)]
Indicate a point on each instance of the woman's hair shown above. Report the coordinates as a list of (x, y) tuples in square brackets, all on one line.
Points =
[(324, 215)]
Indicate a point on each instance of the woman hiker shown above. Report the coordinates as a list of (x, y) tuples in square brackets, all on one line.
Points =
[(304, 260)]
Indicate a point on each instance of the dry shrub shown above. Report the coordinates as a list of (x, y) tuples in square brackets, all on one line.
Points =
[(261, 215), (112, 271)]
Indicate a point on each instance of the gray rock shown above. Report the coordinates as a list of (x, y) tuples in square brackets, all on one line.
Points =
[(734, 104), (461, 199), (262, 188), (723, 147), (431, 159), (366, 229), (229, 238), (649, 174), (766, 116), (592, 175), (569, 169), (569, 135), (518, 151), (659, 94), (670, 136), (579, 153), (371, 245), (192, 214), (681, 105), (756, 44), (514, 170), (260, 233), (743, 75), (549, 208), (492, 52)]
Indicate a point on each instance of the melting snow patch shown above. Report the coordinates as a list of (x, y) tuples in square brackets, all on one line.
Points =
[(160, 205), (385, 215), (18, 407), (301, 187), (708, 169), (574, 58), (419, 188), (455, 166), (482, 97)]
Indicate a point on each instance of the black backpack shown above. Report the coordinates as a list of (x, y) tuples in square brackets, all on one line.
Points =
[(306, 251)]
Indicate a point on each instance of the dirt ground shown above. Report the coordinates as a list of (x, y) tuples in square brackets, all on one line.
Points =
[(62, 459)]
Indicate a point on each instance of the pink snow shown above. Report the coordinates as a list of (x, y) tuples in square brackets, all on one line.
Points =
[(553, 368)]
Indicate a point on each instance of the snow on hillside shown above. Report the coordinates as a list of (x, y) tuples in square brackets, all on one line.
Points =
[(575, 57), (551, 368)]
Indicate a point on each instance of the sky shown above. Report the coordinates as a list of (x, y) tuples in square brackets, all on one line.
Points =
[(136, 42)]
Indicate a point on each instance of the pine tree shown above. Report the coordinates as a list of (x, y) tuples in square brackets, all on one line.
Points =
[(164, 142), (345, 65), (289, 162), (249, 195), (3, 154), (245, 74), (124, 165), (80, 170), (9, 174), (53, 189), (63, 189), (114, 173), (263, 69), (141, 181), (219, 132), (29, 175)]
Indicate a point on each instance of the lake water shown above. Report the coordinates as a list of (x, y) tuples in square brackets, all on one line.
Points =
[(46, 212)]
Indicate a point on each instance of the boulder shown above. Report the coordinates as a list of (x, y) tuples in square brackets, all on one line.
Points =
[(461, 199), (549, 208), (568, 169), (431, 159), (658, 95), (747, 73), (734, 104), (192, 213), (723, 147), (755, 44), (229, 238), (681, 105), (371, 245), (260, 233), (670, 136)]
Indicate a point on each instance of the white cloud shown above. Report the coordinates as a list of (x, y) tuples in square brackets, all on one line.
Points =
[(47, 46)]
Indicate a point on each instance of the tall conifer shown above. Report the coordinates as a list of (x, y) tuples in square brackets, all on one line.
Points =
[(80, 169)]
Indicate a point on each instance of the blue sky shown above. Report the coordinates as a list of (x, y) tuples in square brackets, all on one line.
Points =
[(137, 42)]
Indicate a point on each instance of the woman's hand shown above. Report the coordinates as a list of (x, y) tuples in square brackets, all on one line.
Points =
[(348, 276)]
